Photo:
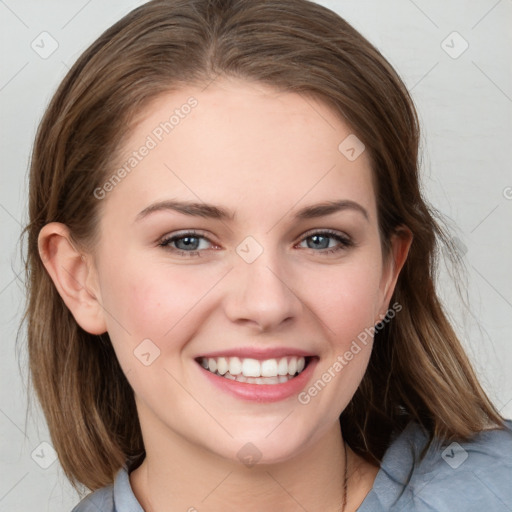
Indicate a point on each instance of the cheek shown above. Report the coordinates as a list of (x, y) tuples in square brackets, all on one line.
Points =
[(153, 300), (345, 297)]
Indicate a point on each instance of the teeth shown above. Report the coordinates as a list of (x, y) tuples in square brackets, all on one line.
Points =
[(247, 369), (222, 365), (235, 366), (269, 368), (282, 367), (259, 380), (251, 368)]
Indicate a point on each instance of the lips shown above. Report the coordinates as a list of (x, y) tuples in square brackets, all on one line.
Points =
[(261, 389)]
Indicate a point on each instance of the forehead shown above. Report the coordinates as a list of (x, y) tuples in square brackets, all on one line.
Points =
[(238, 143)]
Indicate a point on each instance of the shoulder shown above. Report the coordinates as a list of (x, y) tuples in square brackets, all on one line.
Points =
[(117, 497), (472, 476), (101, 500)]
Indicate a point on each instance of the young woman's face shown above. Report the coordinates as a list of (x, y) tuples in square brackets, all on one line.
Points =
[(243, 230)]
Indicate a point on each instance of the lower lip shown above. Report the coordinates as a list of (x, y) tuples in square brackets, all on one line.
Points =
[(263, 392)]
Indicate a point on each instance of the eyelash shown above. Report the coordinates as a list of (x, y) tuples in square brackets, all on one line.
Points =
[(345, 242)]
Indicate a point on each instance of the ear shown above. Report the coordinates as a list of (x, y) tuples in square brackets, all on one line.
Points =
[(74, 276), (400, 243)]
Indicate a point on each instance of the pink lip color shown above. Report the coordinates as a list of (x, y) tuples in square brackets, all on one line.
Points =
[(262, 392)]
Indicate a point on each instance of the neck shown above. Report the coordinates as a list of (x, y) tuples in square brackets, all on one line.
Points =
[(179, 476)]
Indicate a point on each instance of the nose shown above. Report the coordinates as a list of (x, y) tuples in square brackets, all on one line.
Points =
[(261, 294)]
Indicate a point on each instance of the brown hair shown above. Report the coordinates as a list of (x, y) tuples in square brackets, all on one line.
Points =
[(418, 369)]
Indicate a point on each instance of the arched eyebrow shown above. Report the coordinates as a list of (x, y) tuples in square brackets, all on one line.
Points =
[(217, 212), (330, 207), (188, 208)]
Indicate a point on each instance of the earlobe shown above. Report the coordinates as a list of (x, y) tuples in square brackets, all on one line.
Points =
[(400, 244), (71, 273)]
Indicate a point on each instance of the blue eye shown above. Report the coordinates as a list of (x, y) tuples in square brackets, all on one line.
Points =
[(185, 244), (322, 240)]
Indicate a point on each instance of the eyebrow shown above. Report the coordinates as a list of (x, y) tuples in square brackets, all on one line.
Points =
[(216, 212)]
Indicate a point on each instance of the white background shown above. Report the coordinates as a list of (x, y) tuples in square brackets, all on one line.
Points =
[(465, 106)]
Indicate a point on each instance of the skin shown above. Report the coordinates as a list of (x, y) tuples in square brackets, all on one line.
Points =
[(264, 155)]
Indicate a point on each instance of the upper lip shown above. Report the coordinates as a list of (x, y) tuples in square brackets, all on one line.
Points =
[(258, 353)]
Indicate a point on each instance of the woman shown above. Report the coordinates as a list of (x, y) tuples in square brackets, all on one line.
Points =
[(231, 264)]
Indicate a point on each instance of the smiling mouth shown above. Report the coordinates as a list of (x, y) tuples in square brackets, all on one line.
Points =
[(254, 371)]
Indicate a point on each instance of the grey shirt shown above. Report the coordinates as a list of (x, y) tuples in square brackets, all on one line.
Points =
[(475, 476)]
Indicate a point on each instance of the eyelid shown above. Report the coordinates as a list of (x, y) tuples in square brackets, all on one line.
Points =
[(183, 234), (344, 240), (327, 231), (313, 231)]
